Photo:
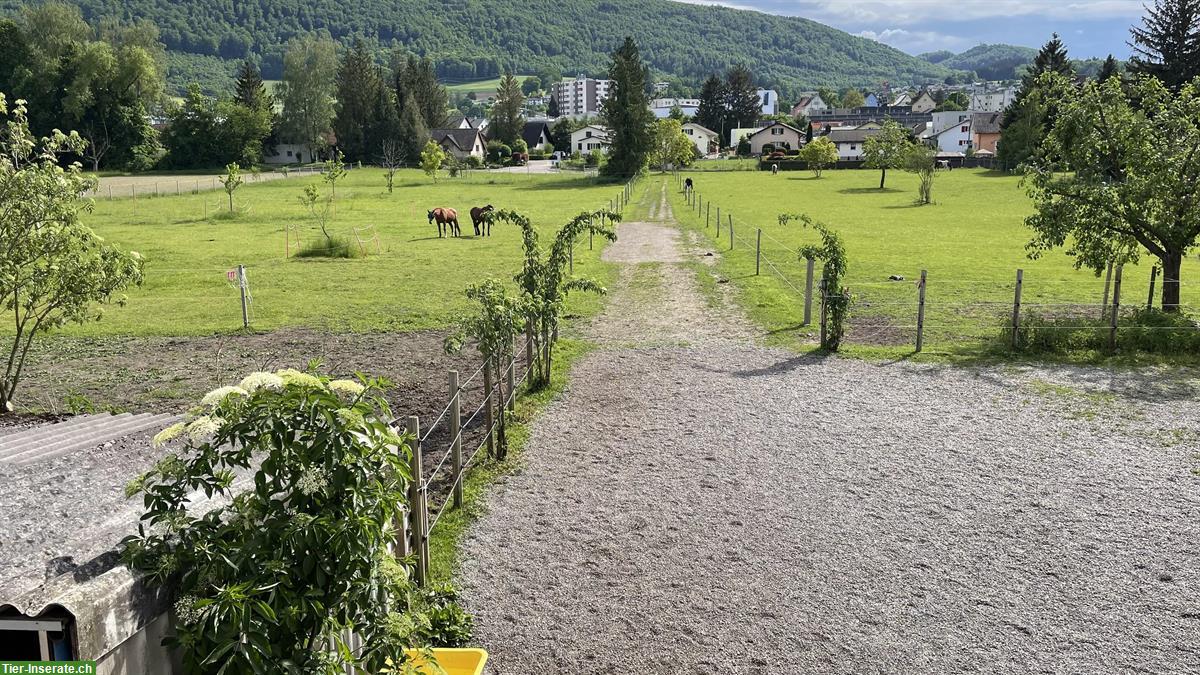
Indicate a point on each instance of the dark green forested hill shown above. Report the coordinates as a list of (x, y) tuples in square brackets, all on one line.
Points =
[(472, 39), (989, 62)]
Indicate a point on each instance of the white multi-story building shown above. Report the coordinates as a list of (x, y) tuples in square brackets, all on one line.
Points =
[(581, 96), (770, 101), (951, 131), (986, 98)]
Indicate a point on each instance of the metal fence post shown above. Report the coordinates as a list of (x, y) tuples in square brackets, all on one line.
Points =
[(456, 438), (921, 312), (1153, 278), (1016, 315), (718, 221), (707, 213), (808, 289), (488, 384), (416, 503), (730, 233), (1116, 311), (243, 285), (758, 253)]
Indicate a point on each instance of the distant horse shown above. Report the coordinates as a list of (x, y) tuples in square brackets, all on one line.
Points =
[(479, 221), (446, 217)]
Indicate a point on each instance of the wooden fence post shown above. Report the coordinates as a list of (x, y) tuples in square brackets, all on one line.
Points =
[(730, 233), (487, 405), (718, 221), (590, 233), (821, 288), (456, 438), (529, 347), (571, 256), (921, 311), (808, 289), (1153, 278), (416, 504), (707, 213), (1016, 315), (758, 253), (1107, 285), (1116, 311)]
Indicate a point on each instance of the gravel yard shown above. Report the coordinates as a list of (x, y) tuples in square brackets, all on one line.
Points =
[(698, 504)]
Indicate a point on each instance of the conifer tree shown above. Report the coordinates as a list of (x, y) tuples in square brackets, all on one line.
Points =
[(506, 120), (1031, 114), (626, 112), (1167, 46), (357, 96)]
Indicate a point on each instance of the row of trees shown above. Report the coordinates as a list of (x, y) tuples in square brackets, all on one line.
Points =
[(731, 102)]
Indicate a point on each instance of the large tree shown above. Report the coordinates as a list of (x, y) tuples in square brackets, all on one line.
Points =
[(507, 124), (1123, 176), (1032, 112), (416, 80), (54, 270), (1167, 46), (887, 150), (671, 146), (711, 113), (742, 103), (627, 113), (1110, 68), (309, 74), (357, 106), (249, 90)]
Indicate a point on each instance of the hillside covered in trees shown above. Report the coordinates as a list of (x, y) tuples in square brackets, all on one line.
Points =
[(989, 62), (471, 39)]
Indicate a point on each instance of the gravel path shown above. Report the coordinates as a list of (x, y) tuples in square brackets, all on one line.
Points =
[(698, 504)]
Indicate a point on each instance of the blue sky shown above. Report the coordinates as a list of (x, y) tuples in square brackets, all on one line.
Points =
[(1089, 27)]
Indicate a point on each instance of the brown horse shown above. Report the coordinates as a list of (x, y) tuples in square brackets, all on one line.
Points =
[(478, 220), (446, 217)]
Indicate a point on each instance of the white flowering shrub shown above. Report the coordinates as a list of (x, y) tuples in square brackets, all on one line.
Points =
[(313, 478)]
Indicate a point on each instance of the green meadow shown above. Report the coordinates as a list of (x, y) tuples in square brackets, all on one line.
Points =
[(970, 242), (409, 280)]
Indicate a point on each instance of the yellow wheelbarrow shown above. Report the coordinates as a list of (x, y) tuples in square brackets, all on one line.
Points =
[(451, 661)]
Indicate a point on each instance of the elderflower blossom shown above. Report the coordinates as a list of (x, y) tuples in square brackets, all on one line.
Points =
[(217, 396), (255, 381), (346, 389), (349, 417), (186, 611), (292, 377), (312, 480), (169, 434), (202, 428)]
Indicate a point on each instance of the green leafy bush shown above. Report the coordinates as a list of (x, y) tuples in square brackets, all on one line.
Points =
[(333, 247), (1144, 330), (312, 479)]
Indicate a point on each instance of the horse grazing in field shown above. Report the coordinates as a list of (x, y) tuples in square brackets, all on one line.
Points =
[(480, 222), (447, 218)]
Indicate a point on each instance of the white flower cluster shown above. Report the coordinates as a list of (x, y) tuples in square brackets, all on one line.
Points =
[(347, 390), (350, 418), (203, 428), (312, 480), (215, 397), (186, 611), (255, 381), (294, 378), (169, 434)]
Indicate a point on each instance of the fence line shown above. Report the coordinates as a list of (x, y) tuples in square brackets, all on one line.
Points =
[(921, 303)]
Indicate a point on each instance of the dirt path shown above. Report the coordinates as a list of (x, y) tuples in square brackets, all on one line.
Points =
[(696, 503)]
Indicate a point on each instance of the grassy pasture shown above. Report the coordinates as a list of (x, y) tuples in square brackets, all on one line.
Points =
[(971, 241), (416, 281)]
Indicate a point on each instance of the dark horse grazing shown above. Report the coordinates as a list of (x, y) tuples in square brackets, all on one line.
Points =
[(447, 217), (479, 221)]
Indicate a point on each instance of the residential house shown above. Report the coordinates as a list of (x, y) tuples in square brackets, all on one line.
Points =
[(287, 153), (809, 103), (662, 107), (736, 135), (536, 133), (778, 134), (923, 103), (706, 140), (872, 101), (951, 131), (989, 98), (904, 99), (850, 142), (985, 129), (581, 96), (461, 143), (590, 138), (770, 101)]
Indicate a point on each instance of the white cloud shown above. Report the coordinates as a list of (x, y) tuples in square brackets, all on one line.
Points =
[(915, 42), (911, 12)]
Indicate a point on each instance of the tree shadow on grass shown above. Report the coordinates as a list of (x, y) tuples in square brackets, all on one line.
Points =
[(868, 191), (914, 205), (571, 184)]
